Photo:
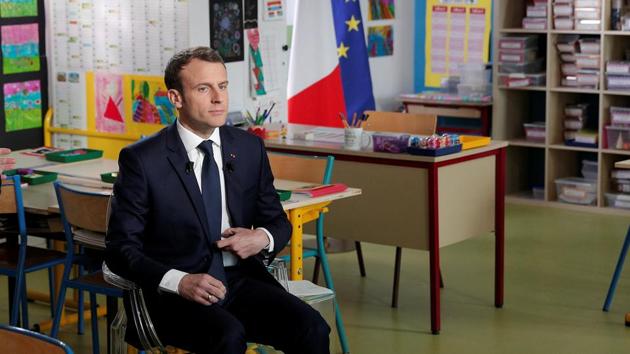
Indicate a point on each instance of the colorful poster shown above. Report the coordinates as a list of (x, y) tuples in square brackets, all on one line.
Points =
[(380, 41), (250, 18), (20, 48), (457, 32), (150, 103), (18, 8), (22, 105), (226, 29), (274, 10), (381, 10), (109, 103), (256, 77)]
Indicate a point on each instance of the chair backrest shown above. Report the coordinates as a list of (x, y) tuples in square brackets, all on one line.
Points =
[(16, 340), (11, 201), (83, 209), (420, 124), (303, 168)]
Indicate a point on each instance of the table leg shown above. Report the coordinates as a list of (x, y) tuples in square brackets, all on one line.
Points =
[(295, 217), (112, 310), (499, 228), (434, 249)]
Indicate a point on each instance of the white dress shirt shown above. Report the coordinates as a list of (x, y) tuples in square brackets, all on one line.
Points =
[(170, 281)]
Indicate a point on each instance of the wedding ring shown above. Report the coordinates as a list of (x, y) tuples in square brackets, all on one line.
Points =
[(210, 297)]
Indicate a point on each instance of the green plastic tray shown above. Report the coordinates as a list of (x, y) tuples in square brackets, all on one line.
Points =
[(32, 177), (283, 194), (74, 155), (109, 177)]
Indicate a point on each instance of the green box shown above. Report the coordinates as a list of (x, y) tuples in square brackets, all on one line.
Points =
[(32, 177), (283, 194), (74, 155), (109, 177)]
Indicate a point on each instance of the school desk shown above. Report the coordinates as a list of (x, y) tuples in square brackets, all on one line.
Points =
[(417, 202), (414, 103)]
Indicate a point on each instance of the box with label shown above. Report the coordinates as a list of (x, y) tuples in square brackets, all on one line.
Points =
[(576, 190)]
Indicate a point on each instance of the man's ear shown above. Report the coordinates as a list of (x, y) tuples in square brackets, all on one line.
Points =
[(175, 97)]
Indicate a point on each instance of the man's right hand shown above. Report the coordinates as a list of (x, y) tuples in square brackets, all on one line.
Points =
[(201, 288)]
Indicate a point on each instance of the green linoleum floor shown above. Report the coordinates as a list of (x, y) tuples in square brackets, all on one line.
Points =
[(558, 268)]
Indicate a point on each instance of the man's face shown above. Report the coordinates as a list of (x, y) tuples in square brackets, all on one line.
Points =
[(203, 103)]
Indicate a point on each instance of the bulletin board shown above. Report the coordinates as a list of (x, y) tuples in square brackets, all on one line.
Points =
[(23, 73), (456, 32)]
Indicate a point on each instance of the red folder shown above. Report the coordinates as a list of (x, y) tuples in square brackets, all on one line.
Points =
[(322, 189)]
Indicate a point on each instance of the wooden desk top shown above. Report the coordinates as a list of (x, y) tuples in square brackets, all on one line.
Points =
[(337, 149), (427, 99), (623, 164)]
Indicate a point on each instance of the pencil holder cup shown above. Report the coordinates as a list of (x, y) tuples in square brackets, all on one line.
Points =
[(258, 130), (356, 138)]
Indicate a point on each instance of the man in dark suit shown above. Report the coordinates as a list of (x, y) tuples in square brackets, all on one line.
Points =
[(193, 214)]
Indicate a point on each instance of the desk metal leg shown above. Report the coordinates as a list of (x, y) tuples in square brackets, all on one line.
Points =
[(499, 228), (434, 249), (295, 217)]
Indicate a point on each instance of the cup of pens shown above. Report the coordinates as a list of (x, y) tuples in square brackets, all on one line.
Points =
[(353, 131), (256, 123)]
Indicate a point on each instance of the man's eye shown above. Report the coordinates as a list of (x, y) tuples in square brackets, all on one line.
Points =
[(223, 87), (202, 89)]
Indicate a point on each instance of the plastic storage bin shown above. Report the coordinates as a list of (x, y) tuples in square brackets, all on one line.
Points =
[(621, 201), (576, 190), (618, 138), (535, 66), (589, 169), (535, 132), (538, 193)]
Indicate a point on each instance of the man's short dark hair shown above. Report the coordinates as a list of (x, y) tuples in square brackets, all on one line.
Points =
[(182, 58)]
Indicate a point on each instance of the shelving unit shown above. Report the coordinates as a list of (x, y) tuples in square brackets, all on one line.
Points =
[(533, 164)]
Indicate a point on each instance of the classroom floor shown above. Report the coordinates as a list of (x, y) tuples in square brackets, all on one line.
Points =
[(558, 268)]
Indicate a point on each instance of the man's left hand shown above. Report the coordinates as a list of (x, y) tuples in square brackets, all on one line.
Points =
[(243, 242)]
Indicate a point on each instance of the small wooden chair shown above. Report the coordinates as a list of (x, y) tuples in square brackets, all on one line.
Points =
[(84, 216), (417, 124), (16, 340)]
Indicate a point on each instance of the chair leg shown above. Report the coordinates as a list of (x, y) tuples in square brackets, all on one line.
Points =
[(59, 302), (94, 315), (617, 272), (24, 316), (318, 264), (396, 277), (51, 290), (357, 246), (321, 250)]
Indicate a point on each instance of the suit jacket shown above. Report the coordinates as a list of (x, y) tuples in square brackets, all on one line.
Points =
[(158, 221)]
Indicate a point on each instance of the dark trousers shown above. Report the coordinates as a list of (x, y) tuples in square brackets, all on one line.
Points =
[(254, 311)]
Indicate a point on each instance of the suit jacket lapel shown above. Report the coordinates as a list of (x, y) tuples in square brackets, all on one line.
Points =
[(229, 155), (178, 158)]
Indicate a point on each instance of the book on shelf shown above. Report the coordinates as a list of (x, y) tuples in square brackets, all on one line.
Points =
[(586, 137), (320, 189)]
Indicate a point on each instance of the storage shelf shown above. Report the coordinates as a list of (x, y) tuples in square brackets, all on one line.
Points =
[(576, 32), (616, 152), (521, 30), (573, 90), (572, 148), (540, 164), (526, 143), (525, 88), (617, 33), (616, 93)]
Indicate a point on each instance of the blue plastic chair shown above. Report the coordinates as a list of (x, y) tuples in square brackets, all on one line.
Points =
[(312, 169), (617, 272), (17, 260), (84, 218), (16, 340)]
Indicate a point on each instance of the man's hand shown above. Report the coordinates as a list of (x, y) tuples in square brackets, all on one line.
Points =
[(243, 242), (201, 288), (6, 163)]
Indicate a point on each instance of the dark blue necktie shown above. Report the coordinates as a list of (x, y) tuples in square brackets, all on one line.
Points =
[(211, 195)]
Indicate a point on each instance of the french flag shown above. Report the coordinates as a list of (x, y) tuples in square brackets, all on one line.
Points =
[(329, 71)]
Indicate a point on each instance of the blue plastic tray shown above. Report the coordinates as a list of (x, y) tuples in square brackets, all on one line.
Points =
[(434, 152)]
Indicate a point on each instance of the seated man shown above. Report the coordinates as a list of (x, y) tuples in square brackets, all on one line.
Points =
[(193, 213)]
